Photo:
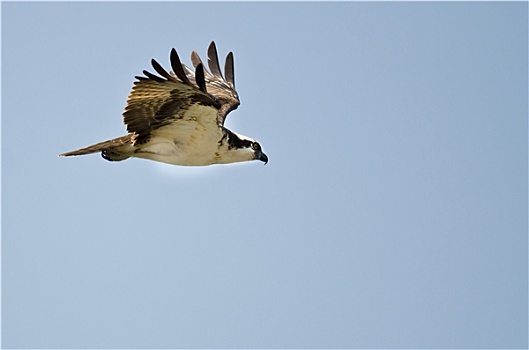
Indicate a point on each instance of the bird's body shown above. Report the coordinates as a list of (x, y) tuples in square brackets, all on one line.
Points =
[(178, 118)]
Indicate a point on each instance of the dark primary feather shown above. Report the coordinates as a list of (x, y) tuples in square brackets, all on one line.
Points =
[(199, 77), (150, 76), (177, 67), (229, 70), (213, 61), (157, 101), (159, 69)]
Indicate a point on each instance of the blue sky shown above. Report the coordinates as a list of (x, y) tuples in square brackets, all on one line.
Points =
[(392, 213)]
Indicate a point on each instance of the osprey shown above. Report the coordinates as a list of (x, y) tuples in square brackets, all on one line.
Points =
[(178, 117)]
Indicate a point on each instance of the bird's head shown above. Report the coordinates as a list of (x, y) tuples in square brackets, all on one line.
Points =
[(258, 153), (242, 148)]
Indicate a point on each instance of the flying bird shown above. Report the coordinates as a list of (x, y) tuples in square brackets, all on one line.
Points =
[(178, 117)]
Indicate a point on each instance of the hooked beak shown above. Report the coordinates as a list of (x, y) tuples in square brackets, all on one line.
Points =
[(261, 156)]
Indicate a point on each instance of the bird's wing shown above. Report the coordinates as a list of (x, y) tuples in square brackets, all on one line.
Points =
[(223, 88), (157, 101)]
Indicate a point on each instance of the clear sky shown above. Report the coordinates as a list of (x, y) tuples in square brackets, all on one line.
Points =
[(392, 213)]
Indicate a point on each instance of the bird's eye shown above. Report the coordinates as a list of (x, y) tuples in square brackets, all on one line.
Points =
[(256, 146)]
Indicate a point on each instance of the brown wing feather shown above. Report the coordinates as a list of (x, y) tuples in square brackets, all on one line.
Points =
[(176, 64), (229, 70), (195, 59), (213, 61), (155, 102), (200, 78)]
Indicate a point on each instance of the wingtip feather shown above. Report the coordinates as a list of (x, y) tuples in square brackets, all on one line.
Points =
[(229, 69), (199, 78), (213, 60), (176, 65)]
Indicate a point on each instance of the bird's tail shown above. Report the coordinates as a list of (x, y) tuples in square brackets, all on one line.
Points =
[(114, 150)]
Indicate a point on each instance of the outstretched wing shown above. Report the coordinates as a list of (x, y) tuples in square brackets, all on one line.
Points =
[(223, 88), (157, 101)]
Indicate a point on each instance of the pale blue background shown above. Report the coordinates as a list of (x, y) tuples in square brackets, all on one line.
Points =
[(392, 213)]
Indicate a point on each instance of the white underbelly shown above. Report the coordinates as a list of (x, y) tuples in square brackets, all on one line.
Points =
[(195, 150)]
